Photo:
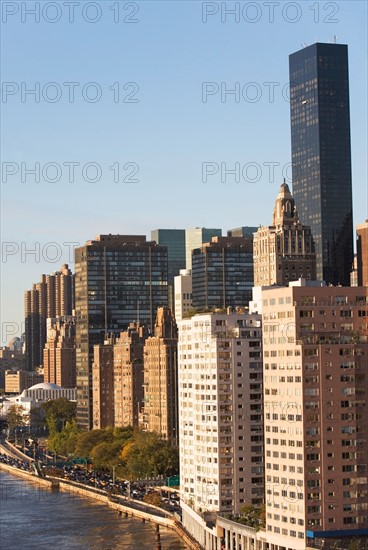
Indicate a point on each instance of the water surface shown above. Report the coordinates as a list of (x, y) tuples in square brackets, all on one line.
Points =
[(32, 518)]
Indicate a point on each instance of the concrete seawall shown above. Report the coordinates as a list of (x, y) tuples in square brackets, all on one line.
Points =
[(99, 496), (48, 483)]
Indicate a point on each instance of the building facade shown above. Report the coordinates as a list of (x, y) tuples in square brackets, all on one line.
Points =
[(45, 392), (283, 251), (222, 273), (52, 297), (241, 231), (103, 384), (321, 154), (220, 416), (362, 253), (17, 381), (315, 346), (183, 293), (128, 375), (161, 378), (119, 279), (174, 240), (59, 353), (194, 238), (10, 359)]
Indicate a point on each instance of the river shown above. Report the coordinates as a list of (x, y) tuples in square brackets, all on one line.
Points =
[(34, 518)]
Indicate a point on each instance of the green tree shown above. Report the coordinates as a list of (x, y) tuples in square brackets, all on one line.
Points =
[(88, 440), (107, 453), (253, 516), (148, 455), (16, 417), (166, 459), (64, 442), (58, 413)]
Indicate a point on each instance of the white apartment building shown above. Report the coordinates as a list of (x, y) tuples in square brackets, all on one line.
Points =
[(220, 417), (182, 293)]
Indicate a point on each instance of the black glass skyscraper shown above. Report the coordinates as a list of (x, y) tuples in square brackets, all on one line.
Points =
[(321, 155)]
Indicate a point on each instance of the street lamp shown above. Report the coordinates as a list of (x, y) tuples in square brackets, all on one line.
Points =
[(113, 473), (129, 489)]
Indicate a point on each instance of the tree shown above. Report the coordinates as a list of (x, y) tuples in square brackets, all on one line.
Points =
[(148, 455), (58, 413), (64, 442), (88, 440), (166, 459), (252, 516), (106, 455), (16, 417)]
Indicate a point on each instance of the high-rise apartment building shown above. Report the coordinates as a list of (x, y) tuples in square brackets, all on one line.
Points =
[(59, 352), (362, 253), (220, 417), (194, 238), (52, 297), (183, 293), (128, 375), (283, 251), (161, 378), (321, 154), (35, 310), (103, 384), (174, 239), (315, 347), (118, 279), (222, 273)]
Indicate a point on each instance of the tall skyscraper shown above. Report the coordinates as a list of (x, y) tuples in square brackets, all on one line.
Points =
[(321, 155), (174, 239), (220, 418), (315, 345), (283, 251), (52, 297), (161, 378), (194, 238), (222, 273), (119, 279)]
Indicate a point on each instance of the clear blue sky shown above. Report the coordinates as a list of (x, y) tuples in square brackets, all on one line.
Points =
[(169, 132)]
